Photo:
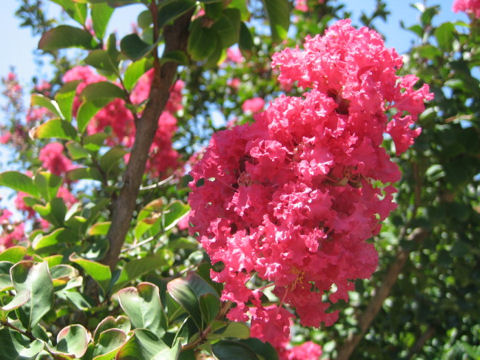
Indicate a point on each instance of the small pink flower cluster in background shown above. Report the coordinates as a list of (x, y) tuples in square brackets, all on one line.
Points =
[(254, 105), (289, 201), (12, 233), (468, 6), (302, 5), (116, 115), (52, 158)]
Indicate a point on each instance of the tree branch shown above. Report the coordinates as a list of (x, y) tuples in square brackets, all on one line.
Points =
[(381, 293), (176, 37)]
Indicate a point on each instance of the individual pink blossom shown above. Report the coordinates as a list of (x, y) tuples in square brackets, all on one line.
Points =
[(68, 198), (20, 204), (468, 6), (234, 83), (36, 114), (253, 105), (292, 198), (307, 351), (234, 55), (5, 138), (53, 160)]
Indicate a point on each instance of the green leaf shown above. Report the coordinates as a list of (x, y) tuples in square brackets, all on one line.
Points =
[(54, 128), (111, 158), (43, 101), (172, 9), (144, 345), (5, 283), (137, 267), (16, 346), (65, 97), (100, 228), (13, 254), (242, 6), (176, 56), (143, 307), (101, 59), (47, 184), (75, 10), (62, 274), (264, 349), (228, 27), (99, 272), (202, 41), (278, 12), (233, 350), (134, 71), (85, 113), (84, 173), (445, 35), (174, 213), (101, 14), (108, 344), (101, 93), (245, 41), (144, 19), (34, 279), (65, 36), (209, 306), (134, 47), (77, 151), (187, 292), (20, 299), (214, 10), (119, 323), (73, 340), (236, 330), (19, 182)]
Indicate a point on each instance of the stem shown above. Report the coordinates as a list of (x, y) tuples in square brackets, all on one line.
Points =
[(381, 293), (176, 37)]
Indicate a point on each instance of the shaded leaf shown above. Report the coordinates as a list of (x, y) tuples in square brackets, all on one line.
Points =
[(65, 36), (54, 128), (278, 12), (99, 272)]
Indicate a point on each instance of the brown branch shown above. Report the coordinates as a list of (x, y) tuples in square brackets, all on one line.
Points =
[(427, 335), (176, 37), (381, 293)]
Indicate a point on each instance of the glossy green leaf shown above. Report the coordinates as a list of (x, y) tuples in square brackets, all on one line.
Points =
[(65, 97), (145, 345), (177, 56), (100, 228), (84, 173), (101, 60), (47, 184), (202, 41), (13, 254), (445, 35), (209, 306), (77, 11), (236, 330), (5, 282), (233, 350), (34, 279), (143, 307), (187, 292), (121, 323), (264, 349), (86, 112), (77, 151), (111, 158), (62, 274), (65, 36), (172, 9), (101, 14), (173, 213), (144, 19), (99, 272), (241, 5), (21, 298), (73, 340), (228, 27), (19, 182), (43, 101), (108, 344), (245, 42), (278, 12), (54, 128), (137, 267), (55, 240), (100, 93), (134, 71), (134, 47), (16, 346)]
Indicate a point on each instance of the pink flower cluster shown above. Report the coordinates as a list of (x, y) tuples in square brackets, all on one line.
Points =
[(53, 160), (116, 115), (468, 6), (12, 233), (289, 201)]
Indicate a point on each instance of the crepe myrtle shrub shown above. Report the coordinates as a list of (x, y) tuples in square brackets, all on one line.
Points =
[(209, 187)]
